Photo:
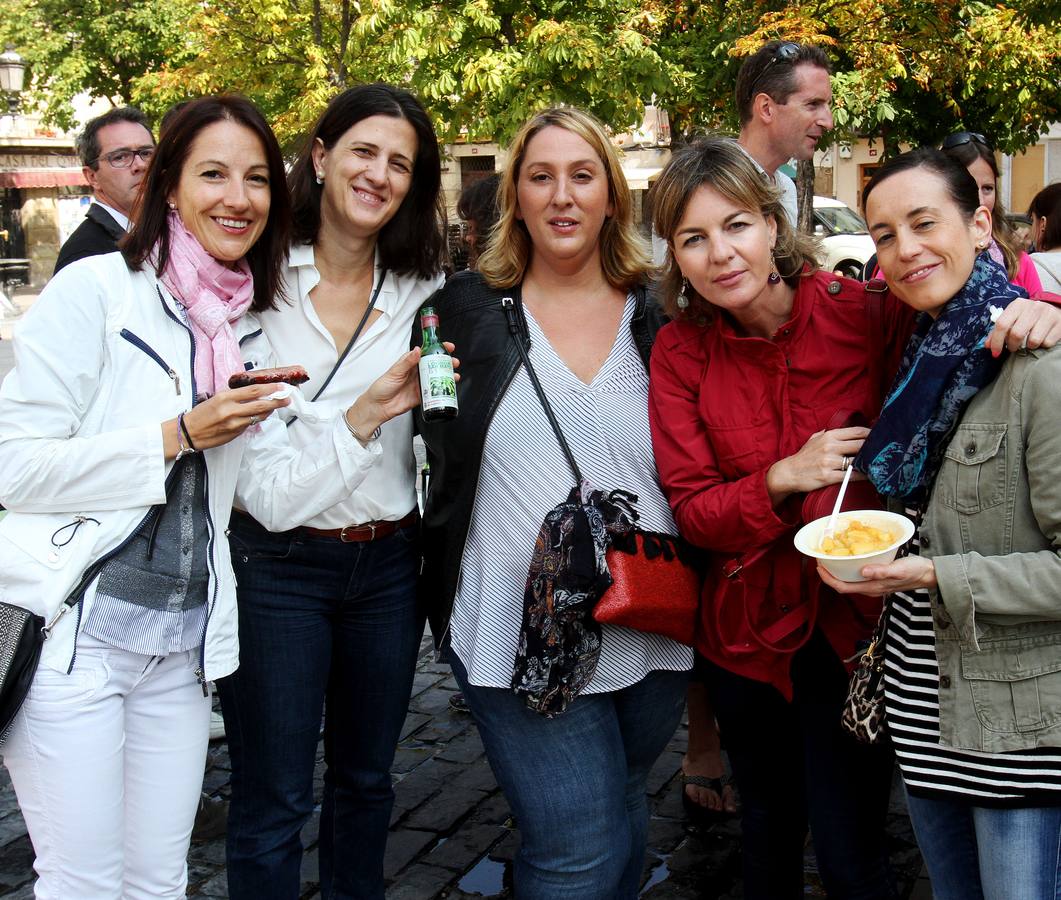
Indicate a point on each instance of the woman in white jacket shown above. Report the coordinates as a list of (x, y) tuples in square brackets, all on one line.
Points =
[(120, 446)]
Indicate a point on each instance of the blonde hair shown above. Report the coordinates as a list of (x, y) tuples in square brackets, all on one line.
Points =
[(625, 257), (719, 163)]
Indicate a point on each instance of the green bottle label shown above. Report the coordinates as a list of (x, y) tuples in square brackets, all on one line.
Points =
[(438, 387)]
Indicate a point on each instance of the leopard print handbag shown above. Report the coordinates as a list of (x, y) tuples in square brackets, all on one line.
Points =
[(863, 714)]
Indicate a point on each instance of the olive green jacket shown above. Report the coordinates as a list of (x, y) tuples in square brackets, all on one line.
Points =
[(993, 529)]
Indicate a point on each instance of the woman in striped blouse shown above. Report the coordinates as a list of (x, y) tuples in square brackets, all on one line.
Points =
[(565, 260)]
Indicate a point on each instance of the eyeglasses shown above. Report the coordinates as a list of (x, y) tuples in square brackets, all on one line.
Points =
[(963, 137), (123, 158), (787, 52)]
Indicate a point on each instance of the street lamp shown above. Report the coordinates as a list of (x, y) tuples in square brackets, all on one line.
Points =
[(12, 73)]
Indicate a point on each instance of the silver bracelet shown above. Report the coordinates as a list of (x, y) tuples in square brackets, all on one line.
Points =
[(362, 441)]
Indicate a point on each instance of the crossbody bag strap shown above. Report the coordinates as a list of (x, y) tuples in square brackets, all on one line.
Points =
[(349, 345), (356, 335), (874, 330), (515, 329)]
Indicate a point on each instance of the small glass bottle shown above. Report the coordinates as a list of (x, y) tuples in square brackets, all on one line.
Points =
[(438, 387)]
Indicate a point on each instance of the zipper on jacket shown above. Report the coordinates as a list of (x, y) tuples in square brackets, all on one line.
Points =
[(143, 345), (169, 312), (200, 672)]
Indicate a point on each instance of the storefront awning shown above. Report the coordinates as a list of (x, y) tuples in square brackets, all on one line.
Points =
[(57, 176)]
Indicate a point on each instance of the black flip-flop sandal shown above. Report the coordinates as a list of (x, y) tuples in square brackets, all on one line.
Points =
[(701, 815)]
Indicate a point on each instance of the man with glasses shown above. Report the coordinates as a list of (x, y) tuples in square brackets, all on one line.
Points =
[(115, 149), (784, 99)]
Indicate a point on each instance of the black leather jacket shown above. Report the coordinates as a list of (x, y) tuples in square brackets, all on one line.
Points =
[(472, 316)]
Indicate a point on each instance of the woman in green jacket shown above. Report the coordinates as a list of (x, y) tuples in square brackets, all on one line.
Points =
[(970, 443)]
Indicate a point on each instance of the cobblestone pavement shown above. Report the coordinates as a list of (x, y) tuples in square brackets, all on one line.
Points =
[(452, 835)]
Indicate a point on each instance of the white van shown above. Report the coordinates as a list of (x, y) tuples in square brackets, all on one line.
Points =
[(844, 237)]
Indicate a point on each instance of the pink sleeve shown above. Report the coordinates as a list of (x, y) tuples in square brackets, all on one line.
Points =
[(1027, 276)]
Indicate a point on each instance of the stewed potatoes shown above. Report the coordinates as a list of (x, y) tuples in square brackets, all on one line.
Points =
[(856, 539)]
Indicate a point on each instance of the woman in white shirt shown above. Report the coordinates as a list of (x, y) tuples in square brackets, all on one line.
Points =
[(327, 610)]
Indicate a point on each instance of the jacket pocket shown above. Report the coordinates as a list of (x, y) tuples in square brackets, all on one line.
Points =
[(1016, 685), (141, 344), (742, 449), (973, 475)]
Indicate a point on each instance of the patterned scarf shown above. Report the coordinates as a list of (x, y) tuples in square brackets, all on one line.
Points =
[(214, 297), (559, 640), (944, 365)]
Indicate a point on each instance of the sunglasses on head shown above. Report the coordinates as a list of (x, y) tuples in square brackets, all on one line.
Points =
[(787, 52), (963, 137)]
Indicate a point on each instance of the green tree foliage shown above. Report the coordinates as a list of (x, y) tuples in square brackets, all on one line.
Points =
[(481, 66), (99, 47), (905, 70), (909, 71)]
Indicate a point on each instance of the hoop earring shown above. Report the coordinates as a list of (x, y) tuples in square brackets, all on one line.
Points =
[(683, 297)]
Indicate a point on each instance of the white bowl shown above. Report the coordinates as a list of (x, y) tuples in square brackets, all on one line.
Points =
[(849, 568)]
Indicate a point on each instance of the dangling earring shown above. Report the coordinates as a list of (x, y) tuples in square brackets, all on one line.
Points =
[(320, 178), (774, 277), (683, 298)]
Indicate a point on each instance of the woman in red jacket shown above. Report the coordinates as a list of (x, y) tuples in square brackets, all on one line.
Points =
[(752, 389)]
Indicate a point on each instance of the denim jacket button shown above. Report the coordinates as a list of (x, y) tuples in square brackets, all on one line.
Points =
[(943, 622), (944, 681), (925, 542)]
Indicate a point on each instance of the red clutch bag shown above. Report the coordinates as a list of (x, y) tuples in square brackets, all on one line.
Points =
[(655, 586)]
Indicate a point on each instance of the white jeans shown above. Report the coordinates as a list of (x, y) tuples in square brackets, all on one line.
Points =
[(107, 763)]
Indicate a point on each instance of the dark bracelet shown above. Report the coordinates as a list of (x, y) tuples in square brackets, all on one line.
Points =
[(187, 436)]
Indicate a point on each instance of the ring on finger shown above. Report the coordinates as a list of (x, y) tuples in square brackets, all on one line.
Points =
[(255, 420), (845, 463)]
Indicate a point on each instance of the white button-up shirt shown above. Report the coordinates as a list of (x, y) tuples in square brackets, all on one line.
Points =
[(299, 338)]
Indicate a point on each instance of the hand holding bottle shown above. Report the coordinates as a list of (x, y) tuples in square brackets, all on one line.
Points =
[(396, 391)]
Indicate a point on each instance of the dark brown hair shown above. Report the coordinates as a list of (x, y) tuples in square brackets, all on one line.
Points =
[(764, 72), (966, 154), (961, 186), (1047, 205), (413, 241), (151, 228)]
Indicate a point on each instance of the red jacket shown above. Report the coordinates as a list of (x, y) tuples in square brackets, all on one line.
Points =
[(724, 408)]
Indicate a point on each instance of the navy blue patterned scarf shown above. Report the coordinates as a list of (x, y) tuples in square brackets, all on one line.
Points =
[(944, 365)]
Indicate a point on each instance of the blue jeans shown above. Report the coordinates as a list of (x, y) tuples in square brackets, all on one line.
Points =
[(320, 622), (576, 783), (983, 853), (795, 765)]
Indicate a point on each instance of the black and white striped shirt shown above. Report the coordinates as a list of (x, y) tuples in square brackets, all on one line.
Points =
[(911, 685), (524, 474)]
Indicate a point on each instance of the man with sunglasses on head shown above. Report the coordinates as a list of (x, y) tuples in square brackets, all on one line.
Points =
[(784, 99), (115, 149)]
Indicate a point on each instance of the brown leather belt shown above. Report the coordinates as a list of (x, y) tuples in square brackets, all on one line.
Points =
[(368, 531)]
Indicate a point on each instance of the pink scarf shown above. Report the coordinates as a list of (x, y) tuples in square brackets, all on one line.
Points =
[(214, 297)]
